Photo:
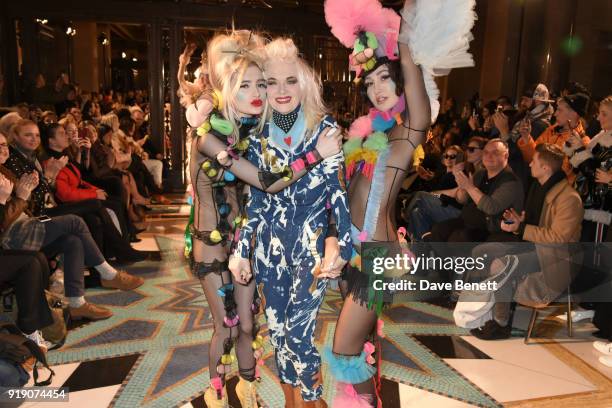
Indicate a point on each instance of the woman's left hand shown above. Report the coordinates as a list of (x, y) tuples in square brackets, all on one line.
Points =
[(332, 264)]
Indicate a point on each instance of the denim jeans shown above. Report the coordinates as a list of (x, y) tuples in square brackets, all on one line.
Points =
[(424, 211)]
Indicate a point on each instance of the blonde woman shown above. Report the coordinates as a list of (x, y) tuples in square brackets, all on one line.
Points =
[(291, 227), (227, 116)]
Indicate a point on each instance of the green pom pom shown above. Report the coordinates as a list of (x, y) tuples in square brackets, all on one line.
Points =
[(351, 145), (358, 46), (376, 141), (372, 41), (221, 125)]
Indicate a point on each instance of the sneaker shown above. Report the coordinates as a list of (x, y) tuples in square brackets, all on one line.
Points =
[(89, 311), (577, 315), (606, 360), (492, 331), (37, 338), (122, 281), (603, 347)]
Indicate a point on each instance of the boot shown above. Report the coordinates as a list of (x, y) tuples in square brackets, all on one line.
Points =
[(288, 391), (247, 393), (211, 397)]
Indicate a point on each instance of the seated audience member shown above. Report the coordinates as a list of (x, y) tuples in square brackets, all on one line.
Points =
[(66, 234), (91, 112), (594, 183), (484, 197), (23, 160), (567, 129), (147, 183), (71, 188), (593, 165), (473, 150), (427, 208), (8, 121), (28, 273), (105, 165), (552, 217)]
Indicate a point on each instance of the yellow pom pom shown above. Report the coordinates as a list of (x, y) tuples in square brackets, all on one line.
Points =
[(206, 165), (211, 173), (256, 345), (243, 145), (217, 99), (203, 129), (215, 236), (227, 359)]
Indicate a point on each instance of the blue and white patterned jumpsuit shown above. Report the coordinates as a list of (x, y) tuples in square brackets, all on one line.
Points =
[(290, 229)]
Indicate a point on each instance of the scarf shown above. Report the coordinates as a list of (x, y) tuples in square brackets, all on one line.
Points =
[(537, 195), (285, 121)]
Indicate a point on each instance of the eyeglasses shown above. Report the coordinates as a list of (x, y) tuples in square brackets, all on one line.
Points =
[(4, 145), (472, 149), (450, 156)]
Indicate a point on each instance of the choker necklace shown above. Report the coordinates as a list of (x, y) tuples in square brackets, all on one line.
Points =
[(285, 121)]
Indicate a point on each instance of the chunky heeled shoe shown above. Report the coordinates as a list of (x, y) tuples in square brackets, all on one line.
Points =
[(216, 396), (247, 393)]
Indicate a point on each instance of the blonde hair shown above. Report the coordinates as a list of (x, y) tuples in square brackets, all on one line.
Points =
[(284, 49), (607, 101), (7, 122), (111, 120), (229, 56), (16, 128)]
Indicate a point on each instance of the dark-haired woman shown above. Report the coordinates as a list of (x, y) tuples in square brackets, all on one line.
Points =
[(379, 154)]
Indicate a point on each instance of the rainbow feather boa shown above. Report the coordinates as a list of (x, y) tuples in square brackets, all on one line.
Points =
[(368, 138)]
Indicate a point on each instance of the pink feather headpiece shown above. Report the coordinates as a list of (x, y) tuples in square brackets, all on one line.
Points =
[(367, 27)]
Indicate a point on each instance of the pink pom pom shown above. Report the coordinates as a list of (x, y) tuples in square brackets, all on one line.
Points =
[(347, 18), (231, 322), (217, 384), (363, 236), (361, 127)]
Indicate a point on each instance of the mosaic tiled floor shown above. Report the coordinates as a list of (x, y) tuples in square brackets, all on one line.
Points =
[(153, 351)]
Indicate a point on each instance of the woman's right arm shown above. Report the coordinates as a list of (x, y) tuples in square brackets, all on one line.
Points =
[(269, 182)]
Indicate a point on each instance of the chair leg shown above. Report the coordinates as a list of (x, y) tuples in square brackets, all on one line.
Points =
[(569, 315), (534, 316)]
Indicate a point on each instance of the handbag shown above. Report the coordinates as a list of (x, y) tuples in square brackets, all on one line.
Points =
[(58, 330), (17, 348)]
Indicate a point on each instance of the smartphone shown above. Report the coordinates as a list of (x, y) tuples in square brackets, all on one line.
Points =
[(460, 158), (509, 222), (44, 218)]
